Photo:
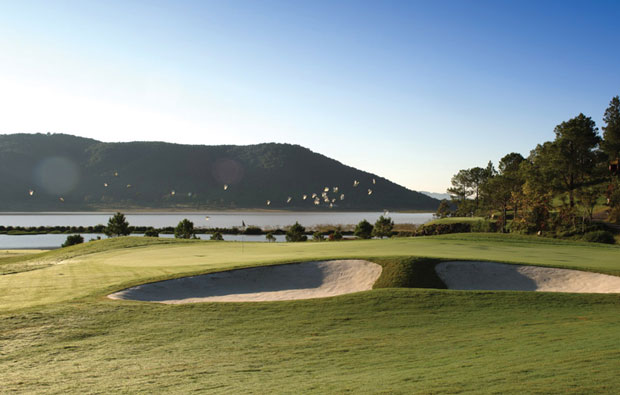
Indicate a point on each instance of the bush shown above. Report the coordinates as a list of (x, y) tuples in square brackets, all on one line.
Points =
[(383, 227), (483, 226), (217, 236), (253, 230), (151, 232), (336, 236), (296, 233), (318, 236), (73, 240), (184, 230), (270, 237), (442, 229), (600, 236), (363, 230)]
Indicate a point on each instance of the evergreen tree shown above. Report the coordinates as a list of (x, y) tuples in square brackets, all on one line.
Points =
[(117, 226), (296, 233), (611, 131), (383, 227), (184, 230)]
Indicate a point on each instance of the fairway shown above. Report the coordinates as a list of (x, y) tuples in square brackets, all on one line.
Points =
[(59, 331)]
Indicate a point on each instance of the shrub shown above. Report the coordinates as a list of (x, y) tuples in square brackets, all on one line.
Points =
[(217, 236), (336, 236), (600, 236), (383, 227), (151, 232), (484, 226), (363, 230), (73, 240), (253, 230), (441, 229), (296, 233), (318, 236), (270, 237)]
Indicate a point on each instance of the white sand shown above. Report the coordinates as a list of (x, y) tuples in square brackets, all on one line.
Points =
[(266, 283), (501, 276)]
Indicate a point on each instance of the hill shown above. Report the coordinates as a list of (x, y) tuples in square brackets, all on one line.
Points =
[(58, 172)]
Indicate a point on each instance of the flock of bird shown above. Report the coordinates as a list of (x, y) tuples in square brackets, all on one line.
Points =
[(324, 195), (315, 197)]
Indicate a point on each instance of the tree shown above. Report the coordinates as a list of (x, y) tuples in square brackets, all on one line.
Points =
[(73, 240), (296, 233), (576, 141), (611, 131), (270, 237), (511, 168), (498, 191), (117, 226), (217, 236), (363, 230), (443, 210), (468, 183), (383, 227), (510, 163), (184, 230), (151, 232), (588, 197)]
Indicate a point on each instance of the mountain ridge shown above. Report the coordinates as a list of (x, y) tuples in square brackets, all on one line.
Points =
[(61, 172)]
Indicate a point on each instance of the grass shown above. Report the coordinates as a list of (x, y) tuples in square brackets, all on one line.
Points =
[(59, 334)]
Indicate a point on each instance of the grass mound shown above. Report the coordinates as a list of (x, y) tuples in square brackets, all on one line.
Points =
[(408, 272)]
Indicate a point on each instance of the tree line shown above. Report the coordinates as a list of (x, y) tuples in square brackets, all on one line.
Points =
[(555, 189)]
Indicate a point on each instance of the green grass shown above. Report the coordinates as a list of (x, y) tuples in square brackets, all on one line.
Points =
[(59, 334)]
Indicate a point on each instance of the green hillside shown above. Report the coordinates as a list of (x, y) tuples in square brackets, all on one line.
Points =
[(58, 172)]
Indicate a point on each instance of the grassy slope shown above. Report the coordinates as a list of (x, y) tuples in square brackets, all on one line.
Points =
[(63, 335)]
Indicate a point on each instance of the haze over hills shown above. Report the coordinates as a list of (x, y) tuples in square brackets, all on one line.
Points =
[(436, 195), (59, 172)]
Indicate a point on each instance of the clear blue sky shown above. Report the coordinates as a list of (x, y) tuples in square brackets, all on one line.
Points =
[(413, 91)]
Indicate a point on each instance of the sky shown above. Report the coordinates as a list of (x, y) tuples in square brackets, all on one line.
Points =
[(412, 91)]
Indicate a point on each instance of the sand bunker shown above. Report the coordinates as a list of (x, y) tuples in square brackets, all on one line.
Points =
[(266, 283), (500, 276)]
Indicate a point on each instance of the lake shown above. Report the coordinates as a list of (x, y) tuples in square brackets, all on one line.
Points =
[(210, 219), (50, 241), (206, 219)]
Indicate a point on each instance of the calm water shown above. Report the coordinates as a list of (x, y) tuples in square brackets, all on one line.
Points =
[(55, 241), (208, 219)]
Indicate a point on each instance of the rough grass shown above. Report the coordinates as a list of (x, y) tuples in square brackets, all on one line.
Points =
[(59, 334)]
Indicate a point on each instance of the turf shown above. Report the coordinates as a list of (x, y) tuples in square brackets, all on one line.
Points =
[(59, 334)]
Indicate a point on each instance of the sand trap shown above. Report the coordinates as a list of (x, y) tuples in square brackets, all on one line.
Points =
[(266, 283), (501, 276)]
